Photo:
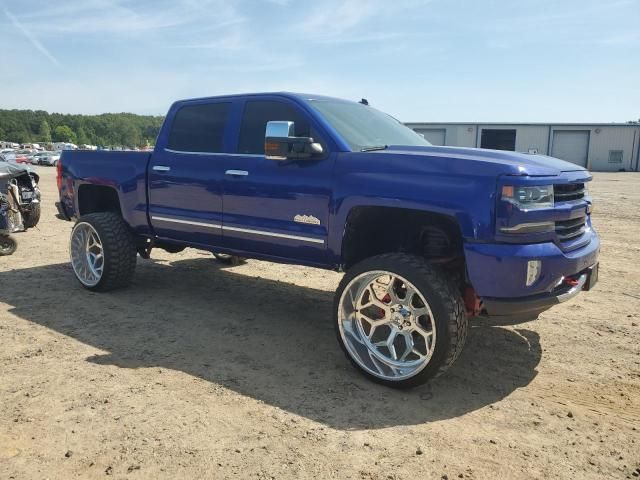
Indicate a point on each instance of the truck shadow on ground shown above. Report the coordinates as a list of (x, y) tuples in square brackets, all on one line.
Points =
[(270, 340)]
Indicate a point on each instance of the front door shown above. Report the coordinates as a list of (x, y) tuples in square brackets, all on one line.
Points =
[(185, 178), (277, 208)]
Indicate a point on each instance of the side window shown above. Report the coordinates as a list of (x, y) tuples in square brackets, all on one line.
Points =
[(254, 123), (199, 128)]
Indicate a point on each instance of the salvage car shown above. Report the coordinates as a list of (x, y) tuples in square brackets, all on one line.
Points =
[(19, 203), (427, 236)]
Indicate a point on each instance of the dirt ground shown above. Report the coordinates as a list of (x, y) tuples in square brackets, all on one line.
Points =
[(200, 371)]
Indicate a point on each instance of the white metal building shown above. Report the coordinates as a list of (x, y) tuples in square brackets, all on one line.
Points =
[(599, 147)]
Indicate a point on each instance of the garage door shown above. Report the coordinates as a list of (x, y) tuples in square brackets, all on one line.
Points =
[(435, 136), (571, 145)]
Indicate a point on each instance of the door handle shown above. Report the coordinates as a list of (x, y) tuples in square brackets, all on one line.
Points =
[(161, 168), (237, 173)]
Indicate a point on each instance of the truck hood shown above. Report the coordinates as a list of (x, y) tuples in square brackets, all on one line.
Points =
[(499, 161)]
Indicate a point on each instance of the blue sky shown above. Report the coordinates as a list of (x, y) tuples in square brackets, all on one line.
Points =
[(438, 60)]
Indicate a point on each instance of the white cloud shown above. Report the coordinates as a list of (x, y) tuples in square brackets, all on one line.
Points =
[(348, 21), (336, 17)]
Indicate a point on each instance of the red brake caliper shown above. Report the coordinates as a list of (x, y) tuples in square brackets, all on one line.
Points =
[(386, 299)]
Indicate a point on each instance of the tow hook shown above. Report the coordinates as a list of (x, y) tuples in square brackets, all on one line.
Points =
[(472, 303)]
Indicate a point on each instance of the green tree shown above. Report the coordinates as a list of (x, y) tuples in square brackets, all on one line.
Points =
[(45, 131), (82, 137), (63, 133), (115, 129)]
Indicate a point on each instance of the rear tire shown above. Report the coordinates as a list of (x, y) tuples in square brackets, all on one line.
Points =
[(32, 218), (376, 329), (8, 245), (103, 252)]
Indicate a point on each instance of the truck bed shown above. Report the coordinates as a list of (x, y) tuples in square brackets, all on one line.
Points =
[(123, 171)]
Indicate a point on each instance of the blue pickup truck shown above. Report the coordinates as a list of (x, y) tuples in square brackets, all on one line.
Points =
[(427, 236)]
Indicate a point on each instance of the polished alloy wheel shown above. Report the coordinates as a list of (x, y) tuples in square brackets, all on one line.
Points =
[(386, 325), (87, 254)]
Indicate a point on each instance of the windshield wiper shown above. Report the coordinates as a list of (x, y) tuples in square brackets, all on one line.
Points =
[(373, 148)]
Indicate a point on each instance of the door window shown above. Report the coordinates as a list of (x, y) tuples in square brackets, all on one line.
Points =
[(199, 128), (254, 123)]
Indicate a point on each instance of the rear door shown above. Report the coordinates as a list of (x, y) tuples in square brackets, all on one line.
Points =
[(185, 177), (277, 208)]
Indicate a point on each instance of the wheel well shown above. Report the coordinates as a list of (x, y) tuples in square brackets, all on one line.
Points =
[(375, 230), (98, 198)]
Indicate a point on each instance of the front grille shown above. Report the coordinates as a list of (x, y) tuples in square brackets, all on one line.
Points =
[(568, 192), (568, 229)]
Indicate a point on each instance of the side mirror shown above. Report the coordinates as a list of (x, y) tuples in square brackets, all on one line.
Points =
[(280, 143)]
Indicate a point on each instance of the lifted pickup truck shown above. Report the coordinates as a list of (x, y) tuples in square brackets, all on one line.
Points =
[(428, 236)]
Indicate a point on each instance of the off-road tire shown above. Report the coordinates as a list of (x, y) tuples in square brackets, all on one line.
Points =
[(119, 250), (32, 217), (444, 299)]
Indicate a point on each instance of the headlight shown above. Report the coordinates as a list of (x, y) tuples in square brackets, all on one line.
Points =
[(529, 197)]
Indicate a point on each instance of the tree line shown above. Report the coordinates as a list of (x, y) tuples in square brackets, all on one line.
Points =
[(112, 129)]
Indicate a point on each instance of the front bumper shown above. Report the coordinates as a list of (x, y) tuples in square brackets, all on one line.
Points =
[(532, 306), (498, 272)]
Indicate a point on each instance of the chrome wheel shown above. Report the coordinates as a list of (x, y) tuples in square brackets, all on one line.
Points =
[(386, 325), (87, 254)]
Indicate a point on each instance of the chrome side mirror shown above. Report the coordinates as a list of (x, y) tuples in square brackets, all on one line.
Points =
[(280, 129), (281, 143)]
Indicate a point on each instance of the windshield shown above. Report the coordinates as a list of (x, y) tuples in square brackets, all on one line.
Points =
[(363, 127)]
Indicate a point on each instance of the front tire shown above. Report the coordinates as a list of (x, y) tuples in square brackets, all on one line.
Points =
[(399, 320), (32, 217), (103, 252)]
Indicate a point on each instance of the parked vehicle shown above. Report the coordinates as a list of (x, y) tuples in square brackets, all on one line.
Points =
[(58, 146), (33, 158), (19, 203), (428, 236), (45, 158), (31, 146), (15, 157)]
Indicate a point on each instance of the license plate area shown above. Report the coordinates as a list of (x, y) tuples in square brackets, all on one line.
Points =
[(592, 277), (26, 195)]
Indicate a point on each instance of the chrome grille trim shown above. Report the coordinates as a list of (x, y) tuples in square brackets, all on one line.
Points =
[(570, 229), (567, 192)]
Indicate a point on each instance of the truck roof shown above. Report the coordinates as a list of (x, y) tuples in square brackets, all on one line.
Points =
[(293, 95)]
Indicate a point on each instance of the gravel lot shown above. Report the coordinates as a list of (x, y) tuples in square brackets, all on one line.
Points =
[(203, 371)]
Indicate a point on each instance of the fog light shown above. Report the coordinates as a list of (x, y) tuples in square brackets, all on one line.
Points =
[(534, 268)]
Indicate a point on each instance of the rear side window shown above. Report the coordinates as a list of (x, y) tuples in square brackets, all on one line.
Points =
[(254, 123), (199, 128)]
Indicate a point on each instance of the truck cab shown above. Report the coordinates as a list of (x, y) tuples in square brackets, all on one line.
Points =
[(428, 236)]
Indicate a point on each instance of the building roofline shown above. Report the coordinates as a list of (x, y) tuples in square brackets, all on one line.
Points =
[(533, 124)]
